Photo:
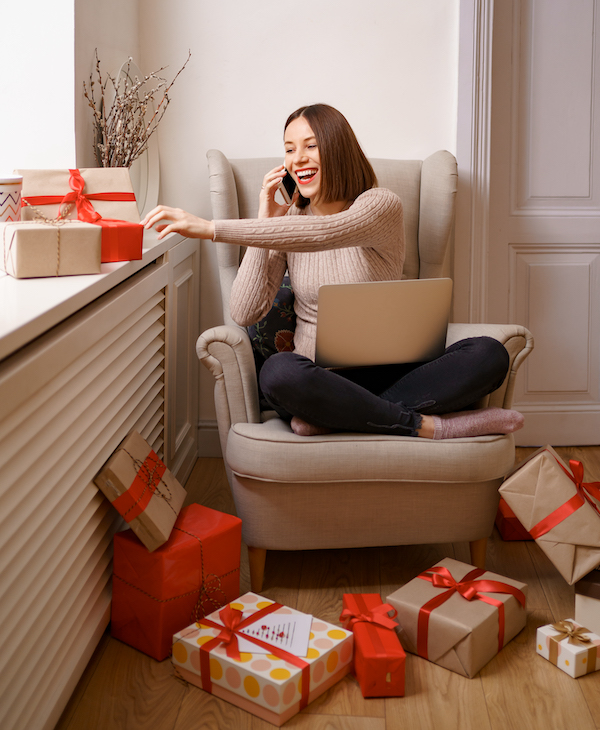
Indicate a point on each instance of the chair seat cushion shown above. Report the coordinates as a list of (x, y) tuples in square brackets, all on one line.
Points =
[(270, 451)]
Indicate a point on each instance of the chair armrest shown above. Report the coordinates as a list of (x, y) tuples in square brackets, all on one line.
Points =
[(226, 351), (518, 342)]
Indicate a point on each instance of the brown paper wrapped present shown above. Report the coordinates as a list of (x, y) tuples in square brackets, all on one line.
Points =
[(559, 510), (100, 195), (142, 490), (108, 190), (459, 616), (54, 248)]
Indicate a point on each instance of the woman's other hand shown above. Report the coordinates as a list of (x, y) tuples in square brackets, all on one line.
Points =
[(174, 220), (268, 207)]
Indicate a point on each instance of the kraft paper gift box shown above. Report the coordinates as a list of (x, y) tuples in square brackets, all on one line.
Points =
[(559, 510), (39, 249), (141, 488), (196, 571), (274, 686), (587, 601), (100, 195), (459, 616), (379, 659), (570, 646), (508, 525)]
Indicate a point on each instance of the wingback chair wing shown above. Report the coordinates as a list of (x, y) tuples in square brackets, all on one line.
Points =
[(345, 490)]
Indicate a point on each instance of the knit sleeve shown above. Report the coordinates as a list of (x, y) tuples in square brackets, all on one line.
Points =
[(256, 284), (374, 219)]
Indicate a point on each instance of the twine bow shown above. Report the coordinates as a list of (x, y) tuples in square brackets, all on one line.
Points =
[(575, 634), (57, 222)]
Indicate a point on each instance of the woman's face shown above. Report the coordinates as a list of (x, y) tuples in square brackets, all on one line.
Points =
[(302, 158)]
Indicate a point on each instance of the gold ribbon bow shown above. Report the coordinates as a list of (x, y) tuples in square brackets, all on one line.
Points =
[(575, 634)]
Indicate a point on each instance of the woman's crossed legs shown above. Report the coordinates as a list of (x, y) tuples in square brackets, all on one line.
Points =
[(393, 399)]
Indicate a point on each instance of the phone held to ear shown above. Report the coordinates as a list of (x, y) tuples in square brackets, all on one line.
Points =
[(287, 187)]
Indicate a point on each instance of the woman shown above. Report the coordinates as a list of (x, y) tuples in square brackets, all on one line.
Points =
[(341, 228)]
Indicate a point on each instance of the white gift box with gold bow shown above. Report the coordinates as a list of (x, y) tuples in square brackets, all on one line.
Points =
[(570, 646)]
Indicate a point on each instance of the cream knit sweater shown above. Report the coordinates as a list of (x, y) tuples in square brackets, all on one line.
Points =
[(363, 243)]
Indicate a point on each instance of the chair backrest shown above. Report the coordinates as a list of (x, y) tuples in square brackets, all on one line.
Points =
[(427, 189)]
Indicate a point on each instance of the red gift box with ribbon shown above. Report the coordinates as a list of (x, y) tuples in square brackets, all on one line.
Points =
[(459, 616), (508, 525), (379, 659), (195, 572), (100, 195), (268, 681), (558, 509), (141, 488)]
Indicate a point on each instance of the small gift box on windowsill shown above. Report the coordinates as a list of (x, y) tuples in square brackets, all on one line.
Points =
[(141, 488), (49, 248), (379, 659), (569, 646), (459, 616), (100, 196)]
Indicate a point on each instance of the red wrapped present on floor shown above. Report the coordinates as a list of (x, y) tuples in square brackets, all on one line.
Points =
[(508, 524), (379, 659), (156, 594)]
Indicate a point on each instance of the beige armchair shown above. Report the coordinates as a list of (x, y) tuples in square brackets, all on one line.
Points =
[(348, 490)]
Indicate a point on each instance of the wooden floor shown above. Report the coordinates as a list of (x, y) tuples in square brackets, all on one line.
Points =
[(123, 689)]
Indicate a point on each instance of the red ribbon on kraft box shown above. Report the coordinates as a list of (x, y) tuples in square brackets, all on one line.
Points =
[(469, 588), (121, 240), (134, 501), (585, 492)]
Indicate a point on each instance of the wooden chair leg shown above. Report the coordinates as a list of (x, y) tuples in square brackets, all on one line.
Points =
[(257, 558), (478, 550)]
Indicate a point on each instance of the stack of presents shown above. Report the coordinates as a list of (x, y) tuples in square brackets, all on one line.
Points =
[(71, 222), (176, 593)]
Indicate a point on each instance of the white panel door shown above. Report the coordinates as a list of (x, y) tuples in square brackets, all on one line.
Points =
[(542, 263)]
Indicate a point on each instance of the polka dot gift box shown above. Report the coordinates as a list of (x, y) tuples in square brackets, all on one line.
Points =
[(570, 646), (273, 686)]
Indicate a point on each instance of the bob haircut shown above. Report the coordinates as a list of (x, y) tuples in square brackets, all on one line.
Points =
[(345, 170)]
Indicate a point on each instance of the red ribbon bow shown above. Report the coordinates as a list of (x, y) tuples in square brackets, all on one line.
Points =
[(233, 623), (585, 492), (469, 588), (377, 615)]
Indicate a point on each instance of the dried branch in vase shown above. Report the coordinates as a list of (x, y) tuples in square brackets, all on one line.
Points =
[(124, 125)]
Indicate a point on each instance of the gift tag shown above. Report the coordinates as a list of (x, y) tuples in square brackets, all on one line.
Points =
[(290, 633)]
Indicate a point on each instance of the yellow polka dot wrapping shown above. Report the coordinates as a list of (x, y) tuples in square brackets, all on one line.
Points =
[(271, 684)]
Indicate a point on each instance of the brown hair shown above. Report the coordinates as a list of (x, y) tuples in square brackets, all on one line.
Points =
[(345, 170)]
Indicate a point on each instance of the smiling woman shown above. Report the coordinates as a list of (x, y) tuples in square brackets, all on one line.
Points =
[(341, 228)]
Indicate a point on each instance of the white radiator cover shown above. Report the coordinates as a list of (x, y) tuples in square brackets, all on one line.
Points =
[(66, 402)]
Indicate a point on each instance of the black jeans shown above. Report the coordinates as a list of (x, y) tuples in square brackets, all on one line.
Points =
[(385, 398)]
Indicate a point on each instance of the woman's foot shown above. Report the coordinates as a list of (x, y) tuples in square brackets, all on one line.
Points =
[(302, 428), (465, 424)]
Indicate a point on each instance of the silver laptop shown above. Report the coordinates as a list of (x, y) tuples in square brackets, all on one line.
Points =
[(382, 322)]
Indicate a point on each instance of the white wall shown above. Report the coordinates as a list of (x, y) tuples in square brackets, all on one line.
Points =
[(391, 66)]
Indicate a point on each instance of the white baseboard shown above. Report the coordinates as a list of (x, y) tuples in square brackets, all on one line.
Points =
[(559, 427), (209, 444)]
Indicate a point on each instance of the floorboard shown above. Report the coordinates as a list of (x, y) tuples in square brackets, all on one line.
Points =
[(123, 689)]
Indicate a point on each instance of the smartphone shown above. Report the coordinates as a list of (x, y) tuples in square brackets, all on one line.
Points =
[(287, 187)]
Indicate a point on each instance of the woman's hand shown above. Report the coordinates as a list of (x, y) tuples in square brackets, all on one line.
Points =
[(268, 207), (174, 220)]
